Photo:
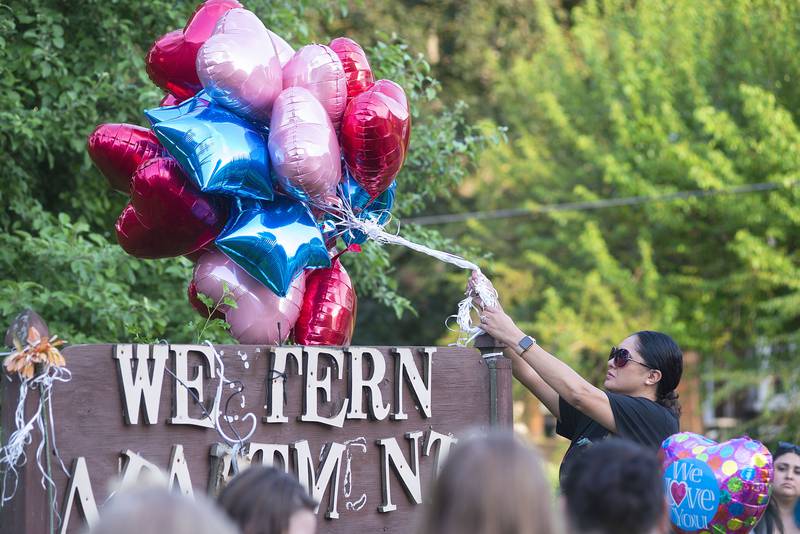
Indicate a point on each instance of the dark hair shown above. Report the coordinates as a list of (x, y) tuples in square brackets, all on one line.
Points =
[(492, 484), (615, 487), (784, 447), (661, 352), (262, 499)]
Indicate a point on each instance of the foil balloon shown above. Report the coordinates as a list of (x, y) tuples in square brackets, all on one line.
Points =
[(357, 71), (377, 210), (239, 67), (238, 20), (171, 62), (176, 111), (166, 216), (284, 49), (303, 147), (118, 149), (274, 243), (198, 305), (169, 100), (221, 152), (260, 316), (328, 315), (715, 487), (375, 135), (318, 69)]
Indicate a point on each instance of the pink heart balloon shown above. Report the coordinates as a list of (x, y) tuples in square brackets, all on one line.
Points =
[(715, 487), (239, 67), (242, 19), (260, 316), (303, 148), (318, 69)]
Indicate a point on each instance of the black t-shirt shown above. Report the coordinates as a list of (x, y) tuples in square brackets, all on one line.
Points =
[(637, 419)]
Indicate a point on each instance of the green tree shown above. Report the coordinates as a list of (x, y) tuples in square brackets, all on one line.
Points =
[(642, 99), (70, 66)]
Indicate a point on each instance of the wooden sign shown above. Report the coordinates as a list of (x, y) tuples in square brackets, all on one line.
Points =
[(363, 428)]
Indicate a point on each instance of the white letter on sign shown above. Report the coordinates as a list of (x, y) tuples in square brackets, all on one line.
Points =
[(277, 377), (420, 385), (328, 477), (143, 388), (377, 410), (80, 485), (183, 384), (409, 474), (315, 385)]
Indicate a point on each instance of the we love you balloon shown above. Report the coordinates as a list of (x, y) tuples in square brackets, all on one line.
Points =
[(241, 171), (715, 488)]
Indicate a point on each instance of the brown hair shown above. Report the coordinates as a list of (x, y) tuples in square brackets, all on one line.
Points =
[(261, 500), (490, 485)]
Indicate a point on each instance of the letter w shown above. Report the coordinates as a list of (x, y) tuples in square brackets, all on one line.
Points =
[(146, 387)]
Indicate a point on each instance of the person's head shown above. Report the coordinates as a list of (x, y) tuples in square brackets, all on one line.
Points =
[(490, 484), (786, 462), (265, 500), (615, 487), (646, 364), (159, 511)]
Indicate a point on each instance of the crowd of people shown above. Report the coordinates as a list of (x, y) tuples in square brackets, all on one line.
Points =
[(490, 484)]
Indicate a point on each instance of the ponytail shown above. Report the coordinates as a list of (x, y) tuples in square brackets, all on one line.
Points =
[(662, 353)]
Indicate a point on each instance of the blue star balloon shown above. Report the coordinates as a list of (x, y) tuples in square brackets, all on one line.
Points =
[(273, 241), (378, 210), (166, 113), (221, 152)]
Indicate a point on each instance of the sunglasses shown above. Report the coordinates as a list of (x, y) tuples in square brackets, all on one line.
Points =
[(621, 358), (784, 447)]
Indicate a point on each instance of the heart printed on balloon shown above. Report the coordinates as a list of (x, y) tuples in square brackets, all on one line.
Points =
[(375, 134), (260, 317), (118, 149), (167, 215), (715, 487), (239, 66), (356, 66), (171, 62), (328, 315), (318, 69)]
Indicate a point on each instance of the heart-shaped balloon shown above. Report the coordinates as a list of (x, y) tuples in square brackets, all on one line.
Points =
[(238, 20), (375, 135), (356, 66), (328, 314), (260, 316), (318, 69), (169, 100), (221, 152), (239, 66), (274, 242), (303, 148), (167, 216), (171, 62), (715, 487), (118, 149)]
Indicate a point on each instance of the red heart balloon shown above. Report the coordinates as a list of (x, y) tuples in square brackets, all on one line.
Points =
[(328, 314), (118, 149), (375, 134), (169, 100), (356, 66), (167, 215), (171, 62)]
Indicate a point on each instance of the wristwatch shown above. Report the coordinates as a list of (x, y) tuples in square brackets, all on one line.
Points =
[(525, 343)]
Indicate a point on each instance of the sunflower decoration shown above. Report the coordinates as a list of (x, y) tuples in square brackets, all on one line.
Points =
[(37, 350)]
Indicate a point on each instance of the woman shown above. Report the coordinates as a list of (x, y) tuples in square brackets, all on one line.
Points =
[(639, 401), (490, 485), (265, 500), (781, 516)]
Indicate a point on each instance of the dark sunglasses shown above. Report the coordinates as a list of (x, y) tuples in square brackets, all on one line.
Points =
[(621, 358), (784, 447)]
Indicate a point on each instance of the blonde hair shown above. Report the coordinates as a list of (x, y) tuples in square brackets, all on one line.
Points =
[(492, 484)]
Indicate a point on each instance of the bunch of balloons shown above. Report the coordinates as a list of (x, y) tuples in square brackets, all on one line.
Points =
[(255, 161)]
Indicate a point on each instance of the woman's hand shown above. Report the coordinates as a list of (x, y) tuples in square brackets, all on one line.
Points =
[(500, 326)]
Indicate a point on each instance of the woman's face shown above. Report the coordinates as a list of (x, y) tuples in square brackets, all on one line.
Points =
[(631, 377), (787, 476), (302, 522)]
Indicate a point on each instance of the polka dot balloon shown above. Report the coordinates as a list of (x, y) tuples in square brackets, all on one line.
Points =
[(715, 488)]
